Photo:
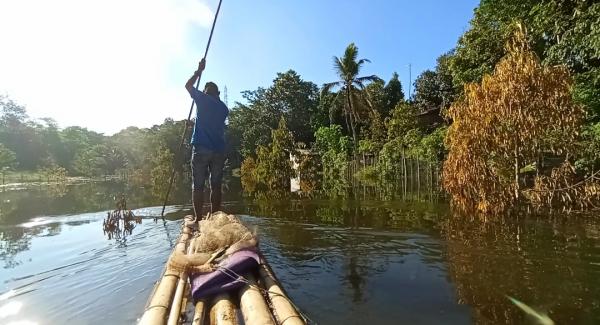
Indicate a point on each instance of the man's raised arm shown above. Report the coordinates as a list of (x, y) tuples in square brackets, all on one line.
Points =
[(189, 85)]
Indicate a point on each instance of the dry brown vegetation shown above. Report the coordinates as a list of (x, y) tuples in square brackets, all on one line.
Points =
[(513, 135)]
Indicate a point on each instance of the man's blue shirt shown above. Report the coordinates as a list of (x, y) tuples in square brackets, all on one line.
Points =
[(209, 130)]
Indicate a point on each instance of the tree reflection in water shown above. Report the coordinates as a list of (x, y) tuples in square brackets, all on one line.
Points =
[(375, 254), (546, 264)]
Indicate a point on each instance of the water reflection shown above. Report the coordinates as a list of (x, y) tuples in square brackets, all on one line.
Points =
[(551, 264), (546, 264), (342, 254), (342, 261)]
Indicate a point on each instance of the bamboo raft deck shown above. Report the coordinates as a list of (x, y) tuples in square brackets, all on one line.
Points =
[(171, 298)]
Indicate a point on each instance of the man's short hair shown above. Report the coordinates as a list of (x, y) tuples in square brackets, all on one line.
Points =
[(212, 87)]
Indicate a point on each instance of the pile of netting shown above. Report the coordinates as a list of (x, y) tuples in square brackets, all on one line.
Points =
[(218, 236)]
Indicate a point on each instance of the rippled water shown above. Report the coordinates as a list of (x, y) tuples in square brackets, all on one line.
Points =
[(345, 262)]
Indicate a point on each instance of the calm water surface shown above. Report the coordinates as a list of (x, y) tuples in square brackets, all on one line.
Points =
[(342, 262)]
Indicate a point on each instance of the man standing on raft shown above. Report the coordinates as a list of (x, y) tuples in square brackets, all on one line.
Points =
[(208, 141)]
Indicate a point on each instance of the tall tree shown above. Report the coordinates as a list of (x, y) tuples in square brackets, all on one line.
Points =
[(561, 32), (435, 89), (393, 94), (504, 126), (8, 159), (289, 97), (298, 101), (427, 91), (351, 85), (75, 141), (482, 46)]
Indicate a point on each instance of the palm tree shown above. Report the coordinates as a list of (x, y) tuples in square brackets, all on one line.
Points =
[(348, 68)]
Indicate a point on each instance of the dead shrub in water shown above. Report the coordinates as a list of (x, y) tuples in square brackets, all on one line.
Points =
[(504, 127), (119, 223), (563, 190)]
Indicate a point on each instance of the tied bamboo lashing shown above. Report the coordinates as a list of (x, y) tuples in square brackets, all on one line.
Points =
[(219, 236)]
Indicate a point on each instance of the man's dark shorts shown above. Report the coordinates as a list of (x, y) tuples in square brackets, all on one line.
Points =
[(204, 163)]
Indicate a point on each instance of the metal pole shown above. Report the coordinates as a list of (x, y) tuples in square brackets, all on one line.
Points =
[(409, 79), (185, 127)]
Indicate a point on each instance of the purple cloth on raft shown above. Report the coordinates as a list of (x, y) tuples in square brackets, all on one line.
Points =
[(208, 284)]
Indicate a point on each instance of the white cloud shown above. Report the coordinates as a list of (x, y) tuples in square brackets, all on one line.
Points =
[(102, 64)]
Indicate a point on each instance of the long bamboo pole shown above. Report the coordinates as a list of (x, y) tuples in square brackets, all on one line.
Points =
[(185, 127)]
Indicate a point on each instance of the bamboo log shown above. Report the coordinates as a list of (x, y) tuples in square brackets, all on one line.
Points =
[(199, 314), (222, 311), (158, 308), (179, 292), (253, 305), (184, 302), (284, 311)]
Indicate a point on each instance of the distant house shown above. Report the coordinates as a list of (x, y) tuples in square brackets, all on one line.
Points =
[(430, 119), (295, 182)]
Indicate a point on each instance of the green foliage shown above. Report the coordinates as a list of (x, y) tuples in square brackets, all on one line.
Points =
[(435, 89), (100, 160), (76, 140), (335, 173), (401, 121), (367, 146), (8, 159), (247, 174), (331, 139), (589, 159), (351, 87), (21, 135), (162, 164), (393, 94), (431, 147), (310, 173), (481, 47), (562, 32), (289, 97), (427, 91), (88, 162), (384, 97), (369, 174), (270, 173), (54, 173), (390, 159), (587, 92), (334, 149)]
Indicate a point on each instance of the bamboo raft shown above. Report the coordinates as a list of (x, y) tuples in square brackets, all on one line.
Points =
[(261, 300)]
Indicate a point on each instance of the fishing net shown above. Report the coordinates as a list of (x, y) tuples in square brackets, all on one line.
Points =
[(218, 236)]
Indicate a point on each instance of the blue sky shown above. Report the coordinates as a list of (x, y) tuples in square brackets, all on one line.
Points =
[(256, 39), (108, 64)]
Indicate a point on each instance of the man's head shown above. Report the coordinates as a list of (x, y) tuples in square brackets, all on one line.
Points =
[(211, 89)]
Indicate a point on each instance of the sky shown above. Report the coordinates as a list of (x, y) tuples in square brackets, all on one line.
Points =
[(109, 64)]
